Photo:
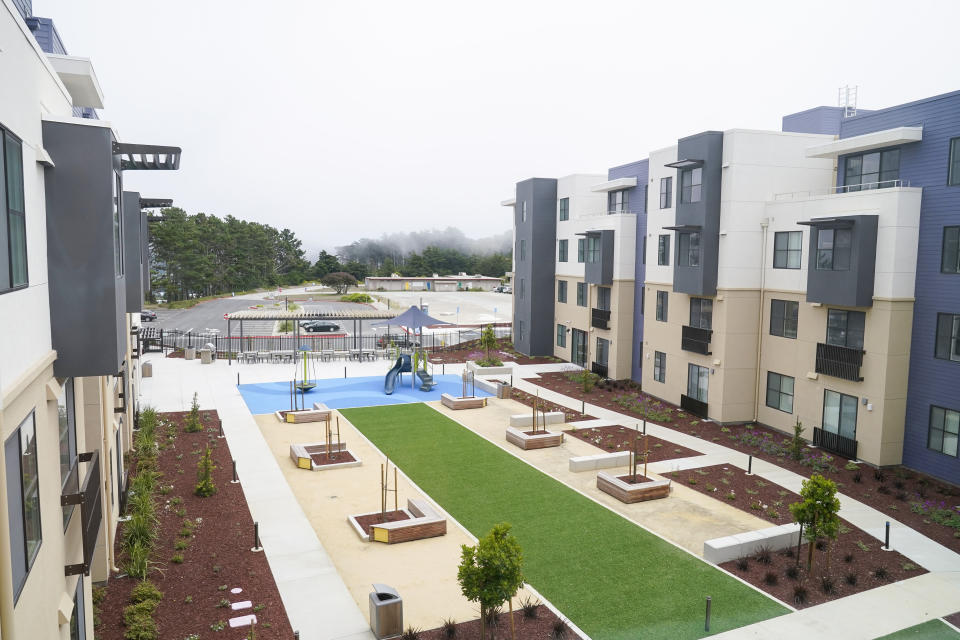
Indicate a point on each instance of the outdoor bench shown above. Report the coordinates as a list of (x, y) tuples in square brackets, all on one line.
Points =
[(471, 402), (630, 493), (426, 523)]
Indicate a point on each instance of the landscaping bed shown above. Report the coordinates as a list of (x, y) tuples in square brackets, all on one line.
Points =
[(366, 522), (617, 437), (538, 623), (472, 350), (569, 415), (200, 548)]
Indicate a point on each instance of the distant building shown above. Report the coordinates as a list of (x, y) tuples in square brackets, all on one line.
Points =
[(461, 282)]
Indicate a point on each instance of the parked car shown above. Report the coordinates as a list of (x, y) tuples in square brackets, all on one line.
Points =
[(319, 326), (507, 289), (148, 315)]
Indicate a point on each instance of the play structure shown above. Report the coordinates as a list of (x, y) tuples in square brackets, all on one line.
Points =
[(415, 362)]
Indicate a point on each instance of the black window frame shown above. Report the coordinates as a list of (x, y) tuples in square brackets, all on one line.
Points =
[(666, 192), (564, 209), (777, 389), (931, 428), (663, 302), (67, 424), (15, 482), (581, 294), (562, 291), (698, 314), (784, 316), (857, 330), (843, 398), (946, 339), (701, 373), (9, 212), (618, 201), (688, 248), (604, 298), (563, 250), (782, 255), (663, 250), (659, 366), (950, 250), (853, 165), (581, 250), (561, 336), (693, 191), (834, 257)]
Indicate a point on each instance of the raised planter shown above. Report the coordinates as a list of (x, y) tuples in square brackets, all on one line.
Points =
[(632, 492), (526, 419), (470, 402), (721, 550), (312, 456), (477, 370), (600, 461), (540, 440), (424, 522)]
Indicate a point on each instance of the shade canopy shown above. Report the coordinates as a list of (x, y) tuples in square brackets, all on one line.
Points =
[(412, 318)]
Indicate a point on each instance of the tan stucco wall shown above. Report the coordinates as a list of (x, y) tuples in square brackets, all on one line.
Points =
[(620, 333)]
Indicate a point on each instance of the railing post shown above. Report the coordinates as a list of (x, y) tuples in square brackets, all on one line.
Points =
[(706, 626), (257, 547)]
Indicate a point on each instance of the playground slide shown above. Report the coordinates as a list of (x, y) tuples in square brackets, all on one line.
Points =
[(426, 380), (390, 383)]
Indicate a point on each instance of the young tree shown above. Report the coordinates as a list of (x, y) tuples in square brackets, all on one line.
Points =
[(339, 281), (205, 486), (488, 340), (491, 572), (817, 513)]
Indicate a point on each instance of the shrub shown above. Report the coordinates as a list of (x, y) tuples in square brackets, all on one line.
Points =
[(560, 629), (177, 558), (138, 560), (880, 573), (763, 555), (412, 633), (356, 297), (192, 421), (793, 572), (851, 579), (858, 477), (826, 584), (449, 628), (848, 558), (205, 487), (796, 443), (138, 620), (743, 563), (799, 594), (145, 590), (529, 606), (770, 578), (851, 466)]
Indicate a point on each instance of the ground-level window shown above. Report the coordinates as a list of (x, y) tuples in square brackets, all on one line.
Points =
[(840, 414), (561, 336), (578, 355), (948, 337), (602, 357), (659, 366), (780, 392), (78, 622), (698, 380), (944, 430), (23, 500)]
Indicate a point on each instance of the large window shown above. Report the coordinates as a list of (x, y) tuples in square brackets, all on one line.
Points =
[(659, 366), (603, 298), (944, 430), (948, 337), (845, 328), (562, 251), (787, 249), (581, 294), (663, 250), (779, 392), (833, 249), (561, 290), (688, 249), (67, 418), (13, 232), (953, 174), (602, 356), (523, 287), (523, 249), (662, 299), (840, 414), (950, 258), (593, 249), (666, 192), (618, 201), (564, 209), (580, 250), (561, 336), (701, 313), (872, 170), (698, 379), (23, 500), (783, 318), (690, 184), (578, 348)]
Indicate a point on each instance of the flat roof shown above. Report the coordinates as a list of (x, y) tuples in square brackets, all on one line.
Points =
[(280, 314)]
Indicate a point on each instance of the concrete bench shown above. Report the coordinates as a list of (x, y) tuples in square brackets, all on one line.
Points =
[(630, 493), (526, 419), (541, 440), (471, 402), (721, 550), (425, 523), (600, 461)]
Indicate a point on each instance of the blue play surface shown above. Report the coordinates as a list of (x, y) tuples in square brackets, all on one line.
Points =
[(348, 393)]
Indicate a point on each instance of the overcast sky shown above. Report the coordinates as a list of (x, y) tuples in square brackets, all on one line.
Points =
[(348, 119)]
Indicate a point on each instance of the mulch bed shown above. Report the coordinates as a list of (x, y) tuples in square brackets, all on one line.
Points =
[(218, 556), (634, 479), (366, 522), (854, 552), (570, 415), (334, 458), (472, 351), (905, 495), (617, 437), (953, 618), (540, 627)]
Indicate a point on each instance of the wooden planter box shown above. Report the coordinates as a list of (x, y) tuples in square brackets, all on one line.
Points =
[(424, 522), (470, 402), (630, 493), (301, 456), (542, 440)]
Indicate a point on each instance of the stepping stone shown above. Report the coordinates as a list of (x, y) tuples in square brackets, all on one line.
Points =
[(243, 621), (236, 590), (246, 604)]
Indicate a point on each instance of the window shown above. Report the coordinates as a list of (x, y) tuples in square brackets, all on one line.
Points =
[(872, 170), (581, 294), (944, 430), (593, 249), (23, 500), (659, 366), (603, 298), (618, 201), (561, 290), (845, 328), (69, 478), (78, 623), (562, 252), (783, 318), (690, 184), (602, 357), (561, 336), (580, 249), (779, 392), (13, 252), (666, 192), (564, 209), (833, 249), (787, 249), (698, 379), (644, 252), (840, 414), (948, 337), (523, 287), (950, 259), (953, 173), (523, 211), (662, 299), (701, 313), (523, 249), (663, 250), (688, 249), (578, 348), (519, 329)]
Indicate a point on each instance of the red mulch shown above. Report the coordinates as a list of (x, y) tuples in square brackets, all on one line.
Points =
[(539, 628), (333, 458), (218, 551), (528, 399), (905, 488), (366, 522), (631, 479), (953, 618), (620, 438), (468, 351)]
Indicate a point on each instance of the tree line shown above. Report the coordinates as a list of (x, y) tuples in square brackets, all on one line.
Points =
[(200, 255)]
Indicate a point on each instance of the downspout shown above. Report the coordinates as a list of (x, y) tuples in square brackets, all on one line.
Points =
[(764, 223), (110, 534)]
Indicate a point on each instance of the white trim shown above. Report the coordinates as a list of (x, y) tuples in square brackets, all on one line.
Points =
[(80, 79), (509, 202), (866, 142), (615, 185)]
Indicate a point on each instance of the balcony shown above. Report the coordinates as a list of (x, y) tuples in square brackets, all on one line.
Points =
[(694, 406), (600, 369), (91, 511), (835, 443), (600, 318), (696, 340), (839, 362)]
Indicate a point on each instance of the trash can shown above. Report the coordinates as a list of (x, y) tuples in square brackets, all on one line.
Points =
[(146, 370), (386, 612), (190, 353), (206, 356)]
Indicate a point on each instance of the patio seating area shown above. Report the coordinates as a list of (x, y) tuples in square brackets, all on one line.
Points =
[(328, 355)]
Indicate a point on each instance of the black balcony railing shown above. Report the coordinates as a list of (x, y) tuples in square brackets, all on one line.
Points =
[(599, 369), (839, 362), (91, 511), (694, 406), (600, 318), (835, 443), (696, 340)]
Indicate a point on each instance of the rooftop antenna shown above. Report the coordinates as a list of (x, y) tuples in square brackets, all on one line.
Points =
[(847, 98)]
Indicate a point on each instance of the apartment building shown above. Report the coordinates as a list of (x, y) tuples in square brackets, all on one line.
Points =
[(72, 277)]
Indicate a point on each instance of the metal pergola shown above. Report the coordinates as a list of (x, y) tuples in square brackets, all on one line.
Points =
[(299, 316)]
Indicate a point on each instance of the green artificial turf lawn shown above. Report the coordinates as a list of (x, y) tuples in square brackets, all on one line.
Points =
[(612, 578), (929, 630)]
